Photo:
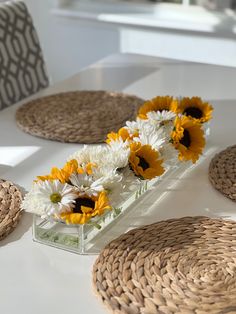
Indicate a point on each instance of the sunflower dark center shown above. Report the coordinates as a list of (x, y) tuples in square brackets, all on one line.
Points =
[(143, 163), (83, 202), (193, 112), (186, 139)]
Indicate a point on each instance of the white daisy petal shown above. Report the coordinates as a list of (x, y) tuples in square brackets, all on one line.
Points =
[(89, 154), (161, 116), (132, 127), (117, 156), (149, 135), (86, 184), (107, 176)]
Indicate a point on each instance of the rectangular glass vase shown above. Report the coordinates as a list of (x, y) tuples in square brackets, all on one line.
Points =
[(84, 239)]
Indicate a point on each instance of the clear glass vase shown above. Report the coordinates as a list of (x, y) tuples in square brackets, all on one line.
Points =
[(83, 239)]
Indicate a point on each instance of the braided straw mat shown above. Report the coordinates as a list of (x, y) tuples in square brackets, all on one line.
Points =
[(77, 117), (222, 172), (178, 266), (10, 212)]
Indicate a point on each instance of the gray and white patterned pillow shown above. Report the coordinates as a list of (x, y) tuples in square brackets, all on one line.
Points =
[(22, 67)]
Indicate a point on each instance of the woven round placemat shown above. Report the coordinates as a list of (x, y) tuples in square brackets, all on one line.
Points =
[(222, 172), (177, 266), (10, 212), (77, 117)]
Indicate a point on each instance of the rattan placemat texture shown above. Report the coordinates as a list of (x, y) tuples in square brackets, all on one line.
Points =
[(177, 266), (222, 172), (77, 117), (10, 212)]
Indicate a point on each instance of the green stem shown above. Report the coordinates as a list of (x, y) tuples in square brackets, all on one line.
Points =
[(117, 211), (94, 224)]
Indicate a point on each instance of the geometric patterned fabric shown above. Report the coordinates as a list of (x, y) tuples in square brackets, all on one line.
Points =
[(22, 67)]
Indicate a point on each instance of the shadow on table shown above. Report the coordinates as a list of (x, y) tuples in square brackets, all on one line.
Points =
[(23, 226)]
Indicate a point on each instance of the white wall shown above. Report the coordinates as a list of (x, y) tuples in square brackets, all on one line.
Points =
[(70, 45)]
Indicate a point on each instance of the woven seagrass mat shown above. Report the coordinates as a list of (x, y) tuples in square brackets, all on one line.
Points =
[(10, 212), (222, 172), (77, 117), (177, 266)]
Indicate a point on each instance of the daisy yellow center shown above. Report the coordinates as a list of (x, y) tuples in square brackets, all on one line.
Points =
[(55, 198), (193, 112), (143, 163), (87, 202), (186, 139), (164, 122)]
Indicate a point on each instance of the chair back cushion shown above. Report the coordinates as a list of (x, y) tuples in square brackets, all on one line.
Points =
[(22, 68)]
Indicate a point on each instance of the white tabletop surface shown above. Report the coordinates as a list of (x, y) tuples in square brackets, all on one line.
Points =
[(40, 279)]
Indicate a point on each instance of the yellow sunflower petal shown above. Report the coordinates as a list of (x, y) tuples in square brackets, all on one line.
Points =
[(75, 218), (124, 134), (112, 137), (58, 174), (121, 134), (80, 170), (101, 204), (86, 209), (89, 167), (158, 103), (135, 146), (44, 178), (70, 167), (153, 172), (64, 174)]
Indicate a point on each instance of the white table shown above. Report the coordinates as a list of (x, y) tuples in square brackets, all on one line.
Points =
[(40, 279)]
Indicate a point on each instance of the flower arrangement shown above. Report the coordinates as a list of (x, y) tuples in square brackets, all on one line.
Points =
[(167, 130)]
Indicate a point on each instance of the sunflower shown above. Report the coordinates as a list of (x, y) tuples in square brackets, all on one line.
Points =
[(122, 134), (158, 103), (85, 208), (144, 161), (63, 174), (195, 108), (188, 138)]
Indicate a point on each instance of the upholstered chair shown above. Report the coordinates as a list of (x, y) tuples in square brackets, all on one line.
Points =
[(22, 67)]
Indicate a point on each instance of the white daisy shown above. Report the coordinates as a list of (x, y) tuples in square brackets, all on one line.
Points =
[(86, 184), (89, 154), (117, 156), (160, 116), (141, 123), (116, 145), (32, 205), (107, 176), (132, 127), (48, 198), (151, 136)]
